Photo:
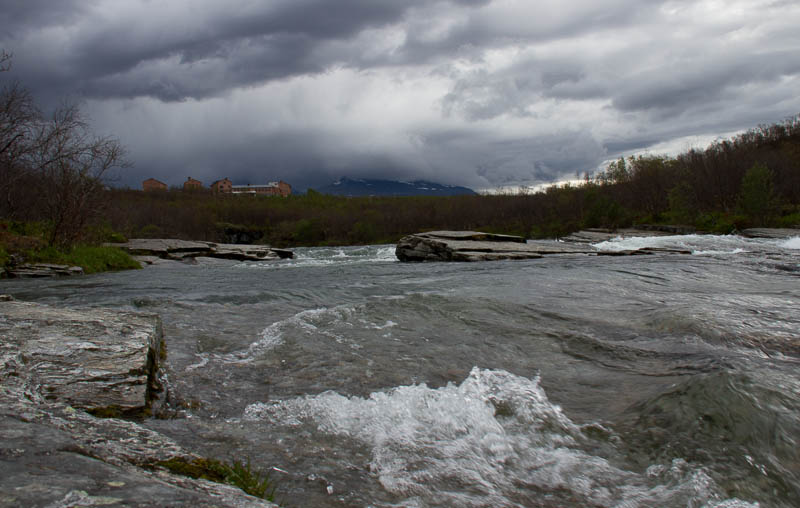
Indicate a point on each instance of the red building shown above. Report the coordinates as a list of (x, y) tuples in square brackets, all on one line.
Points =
[(270, 189), (151, 184), (192, 184), (223, 185)]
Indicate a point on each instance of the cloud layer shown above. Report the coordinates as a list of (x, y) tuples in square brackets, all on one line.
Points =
[(482, 93)]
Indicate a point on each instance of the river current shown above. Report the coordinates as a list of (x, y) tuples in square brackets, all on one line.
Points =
[(357, 380)]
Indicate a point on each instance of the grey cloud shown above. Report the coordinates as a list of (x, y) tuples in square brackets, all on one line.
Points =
[(478, 31), (483, 161), (280, 55), (20, 17), (237, 46), (693, 83), (482, 95)]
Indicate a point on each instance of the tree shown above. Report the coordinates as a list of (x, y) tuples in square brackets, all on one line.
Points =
[(5, 61), (51, 169), (756, 195), (71, 163), (18, 119)]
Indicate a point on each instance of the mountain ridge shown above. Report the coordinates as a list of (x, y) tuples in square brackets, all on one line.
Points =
[(346, 186)]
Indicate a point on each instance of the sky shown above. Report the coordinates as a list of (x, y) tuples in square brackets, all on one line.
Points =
[(481, 93)]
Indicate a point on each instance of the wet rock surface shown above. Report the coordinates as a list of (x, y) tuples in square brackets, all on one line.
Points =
[(54, 363), (98, 360), (478, 246), (462, 246), (36, 270), (777, 233), (180, 250), (603, 235)]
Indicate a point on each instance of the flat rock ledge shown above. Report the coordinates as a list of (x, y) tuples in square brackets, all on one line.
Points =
[(473, 246), (182, 250), (773, 233), (38, 270), (57, 366), (479, 246), (597, 235)]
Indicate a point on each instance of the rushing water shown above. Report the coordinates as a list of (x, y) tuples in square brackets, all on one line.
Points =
[(661, 380)]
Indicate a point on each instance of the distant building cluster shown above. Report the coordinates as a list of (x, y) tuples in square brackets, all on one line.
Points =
[(225, 186)]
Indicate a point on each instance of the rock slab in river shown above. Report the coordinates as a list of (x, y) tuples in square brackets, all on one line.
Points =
[(476, 246), (182, 249), (38, 270)]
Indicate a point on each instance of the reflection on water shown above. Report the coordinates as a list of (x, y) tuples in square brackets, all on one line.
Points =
[(661, 380)]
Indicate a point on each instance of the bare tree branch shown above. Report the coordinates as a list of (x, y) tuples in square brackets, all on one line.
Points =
[(5, 61), (51, 169)]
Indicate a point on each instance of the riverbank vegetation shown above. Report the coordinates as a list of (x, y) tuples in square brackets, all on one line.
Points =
[(748, 181), (53, 171), (24, 243), (239, 474)]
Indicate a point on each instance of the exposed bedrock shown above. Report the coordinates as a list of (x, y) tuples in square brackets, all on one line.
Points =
[(179, 250), (58, 367), (478, 246), (38, 270)]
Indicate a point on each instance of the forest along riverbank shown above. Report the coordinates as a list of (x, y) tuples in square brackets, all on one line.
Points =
[(571, 380)]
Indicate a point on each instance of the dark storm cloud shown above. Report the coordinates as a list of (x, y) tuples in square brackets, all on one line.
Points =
[(476, 92), (173, 59), (20, 17), (478, 30)]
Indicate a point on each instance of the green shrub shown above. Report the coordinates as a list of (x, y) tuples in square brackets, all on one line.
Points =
[(150, 231), (789, 220), (92, 259), (104, 233), (720, 223), (756, 199)]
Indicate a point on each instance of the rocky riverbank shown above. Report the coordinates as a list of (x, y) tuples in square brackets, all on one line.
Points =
[(58, 368), (36, 270), (183, 250)]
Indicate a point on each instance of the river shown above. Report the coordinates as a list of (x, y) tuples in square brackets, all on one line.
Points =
[(357, 380)]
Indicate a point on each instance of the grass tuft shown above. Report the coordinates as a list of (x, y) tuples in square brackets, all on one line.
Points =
[(238, 474)]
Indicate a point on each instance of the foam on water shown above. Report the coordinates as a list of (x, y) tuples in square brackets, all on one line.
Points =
[(493, 440), (791, 243), (697, 244), (315, 321), (328, 256)]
